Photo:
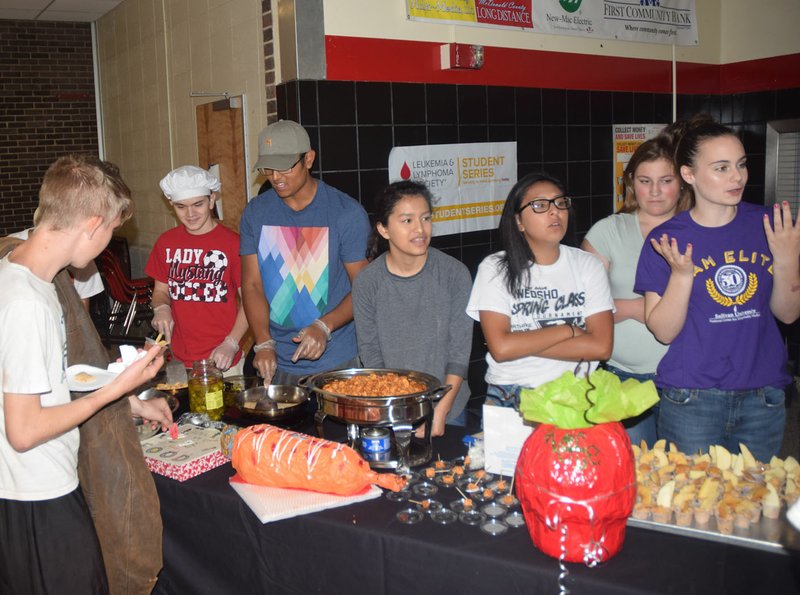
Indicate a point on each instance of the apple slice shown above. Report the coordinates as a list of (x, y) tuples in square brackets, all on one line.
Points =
[(724, 457), (665, 492), (749, 459)]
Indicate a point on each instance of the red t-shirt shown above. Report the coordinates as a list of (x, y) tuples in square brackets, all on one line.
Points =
[(203, 274)]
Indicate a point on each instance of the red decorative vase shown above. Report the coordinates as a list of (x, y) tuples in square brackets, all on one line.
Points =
[(577, 489)]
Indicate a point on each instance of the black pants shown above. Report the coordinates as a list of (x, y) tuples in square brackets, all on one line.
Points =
[(49, 546)]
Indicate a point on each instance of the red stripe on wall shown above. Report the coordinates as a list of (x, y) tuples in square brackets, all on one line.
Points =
[(390, 60), (767, 74)]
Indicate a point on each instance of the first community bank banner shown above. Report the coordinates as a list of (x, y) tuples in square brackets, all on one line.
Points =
[(653, 21), (469, 182)]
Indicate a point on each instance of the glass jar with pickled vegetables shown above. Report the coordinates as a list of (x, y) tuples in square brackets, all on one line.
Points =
[(206, 389)]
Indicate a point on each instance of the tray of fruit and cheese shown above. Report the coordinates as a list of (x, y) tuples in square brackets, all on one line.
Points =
[(719, 496)]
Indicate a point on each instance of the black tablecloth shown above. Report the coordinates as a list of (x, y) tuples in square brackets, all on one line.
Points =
[(214, 544)]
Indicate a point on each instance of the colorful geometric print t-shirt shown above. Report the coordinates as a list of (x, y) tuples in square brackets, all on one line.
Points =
[(203, 275), (730, 340), (301, 256)]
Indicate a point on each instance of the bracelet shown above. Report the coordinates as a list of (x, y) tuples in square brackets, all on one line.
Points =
[(155, 308), (268, 344), (234, 343), (324, 327), (572, 328)]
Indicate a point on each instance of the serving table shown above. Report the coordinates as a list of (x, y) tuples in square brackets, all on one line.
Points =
[(214, 544)]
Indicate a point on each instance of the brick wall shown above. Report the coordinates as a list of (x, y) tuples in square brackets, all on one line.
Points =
[(269, 60), (47, 108)]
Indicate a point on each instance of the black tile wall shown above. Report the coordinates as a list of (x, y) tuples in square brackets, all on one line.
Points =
[(408, 136), (337, 102), (354, 125), (307, 103), (408, 103), (373, 103), (471, 104)]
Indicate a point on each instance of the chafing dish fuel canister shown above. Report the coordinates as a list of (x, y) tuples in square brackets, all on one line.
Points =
[(375, 440)]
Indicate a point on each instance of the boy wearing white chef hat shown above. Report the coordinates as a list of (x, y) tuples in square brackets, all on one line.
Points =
[(197, 274), (48, 541)]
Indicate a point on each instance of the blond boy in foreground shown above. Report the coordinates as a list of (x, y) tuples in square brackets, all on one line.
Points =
[(47, 540)]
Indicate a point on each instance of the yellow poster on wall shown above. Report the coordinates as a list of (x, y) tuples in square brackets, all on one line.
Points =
[(626, 139)]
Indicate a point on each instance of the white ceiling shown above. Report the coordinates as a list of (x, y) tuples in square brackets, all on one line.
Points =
[(56, 10)]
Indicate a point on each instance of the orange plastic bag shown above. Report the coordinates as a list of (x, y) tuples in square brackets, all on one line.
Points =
[(269, 456)]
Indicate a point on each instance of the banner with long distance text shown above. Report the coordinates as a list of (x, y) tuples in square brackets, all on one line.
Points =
[(469, 182)]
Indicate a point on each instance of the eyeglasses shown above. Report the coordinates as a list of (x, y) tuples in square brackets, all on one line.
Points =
[(542, 205), (268, 171)]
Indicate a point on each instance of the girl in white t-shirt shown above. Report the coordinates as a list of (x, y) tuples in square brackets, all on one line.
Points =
[(543, 306)]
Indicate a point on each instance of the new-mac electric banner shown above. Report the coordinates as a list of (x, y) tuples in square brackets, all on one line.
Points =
[(469, 182)]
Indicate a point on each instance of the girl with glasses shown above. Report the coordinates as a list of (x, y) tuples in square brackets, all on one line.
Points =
[(543, 306)]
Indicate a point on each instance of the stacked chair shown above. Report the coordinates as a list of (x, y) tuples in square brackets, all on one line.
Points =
[(128, 299)]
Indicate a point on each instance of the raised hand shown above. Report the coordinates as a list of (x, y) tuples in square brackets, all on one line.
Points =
[(783, 236), (680, 263)]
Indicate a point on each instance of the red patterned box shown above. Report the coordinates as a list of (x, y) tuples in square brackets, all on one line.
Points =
[(195, 451)]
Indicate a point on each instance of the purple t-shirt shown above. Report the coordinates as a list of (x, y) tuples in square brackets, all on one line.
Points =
[(730, 340)]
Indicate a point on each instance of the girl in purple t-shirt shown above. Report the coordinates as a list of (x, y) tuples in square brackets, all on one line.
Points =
[(714, 280)]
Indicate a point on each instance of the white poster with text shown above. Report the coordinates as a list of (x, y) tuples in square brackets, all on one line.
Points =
[(469, 182)]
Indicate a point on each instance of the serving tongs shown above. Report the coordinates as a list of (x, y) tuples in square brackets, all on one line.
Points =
[(175, 372)]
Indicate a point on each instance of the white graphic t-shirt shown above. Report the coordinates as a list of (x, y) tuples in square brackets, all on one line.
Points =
[(565, 292)]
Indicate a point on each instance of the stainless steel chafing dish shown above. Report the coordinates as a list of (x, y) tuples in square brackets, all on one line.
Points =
[(401, 413)]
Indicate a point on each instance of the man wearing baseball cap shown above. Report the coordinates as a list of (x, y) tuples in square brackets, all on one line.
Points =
[(197, 274), (302, 244)]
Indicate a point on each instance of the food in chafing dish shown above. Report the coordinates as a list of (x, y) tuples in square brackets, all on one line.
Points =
[(84, 377), (269, 456), (375, 385)]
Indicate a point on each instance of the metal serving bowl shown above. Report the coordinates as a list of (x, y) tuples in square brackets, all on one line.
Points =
[(353, 409), (274, 402)]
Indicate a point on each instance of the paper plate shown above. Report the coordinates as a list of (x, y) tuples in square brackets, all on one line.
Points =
[(100, 377)]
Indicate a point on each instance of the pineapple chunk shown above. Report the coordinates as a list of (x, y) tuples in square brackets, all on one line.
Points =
[(660, 445), (790, 464)]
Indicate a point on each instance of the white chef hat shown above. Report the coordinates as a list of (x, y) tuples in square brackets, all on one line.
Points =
[(188, 181)]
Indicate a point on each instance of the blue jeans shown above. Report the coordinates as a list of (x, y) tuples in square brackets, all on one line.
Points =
[(641, 427), (503, 395), (694, 419)]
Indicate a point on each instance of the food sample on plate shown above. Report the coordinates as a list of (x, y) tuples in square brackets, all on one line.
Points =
[(375, 385), (84, 377), (269, 456), (736, 489), (172, 387)]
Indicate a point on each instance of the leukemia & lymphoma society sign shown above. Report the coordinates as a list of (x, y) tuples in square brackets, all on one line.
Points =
[(469, 182)]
